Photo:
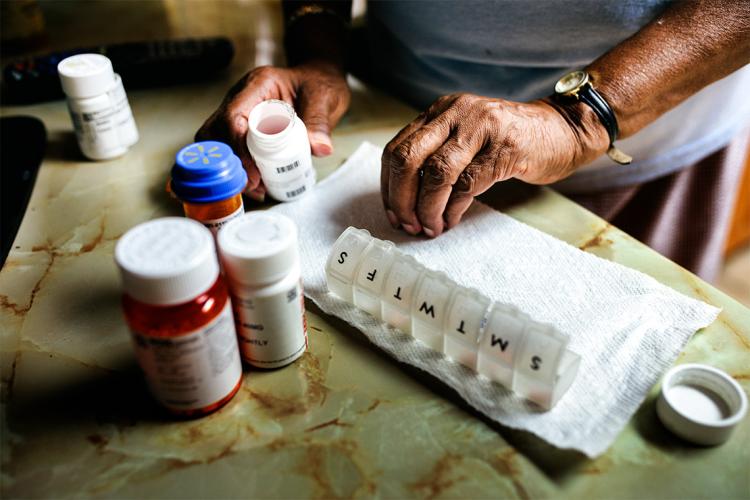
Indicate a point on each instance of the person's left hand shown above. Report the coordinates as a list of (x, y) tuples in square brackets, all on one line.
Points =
[(434, 167)]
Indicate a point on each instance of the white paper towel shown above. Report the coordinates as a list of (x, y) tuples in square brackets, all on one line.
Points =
[(627, 327)]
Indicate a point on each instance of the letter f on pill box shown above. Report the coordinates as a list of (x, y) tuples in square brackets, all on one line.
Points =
[(369, 277)]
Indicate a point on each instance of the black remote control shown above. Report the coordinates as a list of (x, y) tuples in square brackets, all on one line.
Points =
[(140, 64)]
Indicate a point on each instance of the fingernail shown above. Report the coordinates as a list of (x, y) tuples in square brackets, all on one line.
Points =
[(429, 232), (392, 219), (321, 144), (410, 229)]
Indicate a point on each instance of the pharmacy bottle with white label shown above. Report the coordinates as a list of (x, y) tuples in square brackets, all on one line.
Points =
[(260, 256), (98, 106), (179, 313), (277, 140), (209, 180)]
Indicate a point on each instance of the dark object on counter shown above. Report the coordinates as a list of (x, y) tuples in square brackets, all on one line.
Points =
[(140, 64), (23, 140)]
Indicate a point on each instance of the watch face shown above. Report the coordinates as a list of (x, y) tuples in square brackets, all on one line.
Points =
[(570, 82)]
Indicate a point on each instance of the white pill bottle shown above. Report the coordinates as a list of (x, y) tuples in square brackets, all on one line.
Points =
[(98, 106), (260, 256), (277, 140)]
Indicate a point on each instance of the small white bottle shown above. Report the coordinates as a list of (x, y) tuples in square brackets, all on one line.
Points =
[(277, 140), (260, 256), (98, 106)]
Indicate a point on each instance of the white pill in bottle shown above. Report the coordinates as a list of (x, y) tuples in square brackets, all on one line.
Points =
[(260, 256), (98, 106), (277, 140)]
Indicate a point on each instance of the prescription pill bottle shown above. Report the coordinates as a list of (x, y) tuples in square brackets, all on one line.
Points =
[(179, 313), (98, 106), (261, 260), (209, 180), (277, 140)]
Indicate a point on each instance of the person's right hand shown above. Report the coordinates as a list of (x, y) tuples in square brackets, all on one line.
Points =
[(317, 90)]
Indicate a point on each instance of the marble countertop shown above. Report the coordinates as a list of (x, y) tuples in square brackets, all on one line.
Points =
[(343, 421)]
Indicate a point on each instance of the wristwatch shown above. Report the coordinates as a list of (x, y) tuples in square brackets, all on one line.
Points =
[(576, 84)]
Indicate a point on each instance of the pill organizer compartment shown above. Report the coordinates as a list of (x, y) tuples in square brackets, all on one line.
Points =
[(500, 343), (544, 367), (494, 339), (429, 308), (397, 294), (344, 259), (370, 276), (465, 319)]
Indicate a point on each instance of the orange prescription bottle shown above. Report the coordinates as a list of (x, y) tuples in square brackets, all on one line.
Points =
[(209, 180), (180, 316)]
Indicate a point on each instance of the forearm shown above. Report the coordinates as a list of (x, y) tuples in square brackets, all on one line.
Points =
[(316, 36), (687, 47)]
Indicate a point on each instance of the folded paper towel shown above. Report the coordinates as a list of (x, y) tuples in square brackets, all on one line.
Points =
[(627, 327)]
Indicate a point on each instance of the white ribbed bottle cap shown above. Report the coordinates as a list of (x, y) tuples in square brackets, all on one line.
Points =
[(258, 248), (86, 75), (701, 403), (167, 261)]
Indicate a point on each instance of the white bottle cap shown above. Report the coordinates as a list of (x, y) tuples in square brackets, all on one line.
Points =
[(86, 75), (258, 248), (700, 403), (167, 261)]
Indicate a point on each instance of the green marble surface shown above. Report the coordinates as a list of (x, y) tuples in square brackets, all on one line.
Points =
[(345, 420)]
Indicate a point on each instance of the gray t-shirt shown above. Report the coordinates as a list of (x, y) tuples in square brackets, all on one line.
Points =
[(517, 50)]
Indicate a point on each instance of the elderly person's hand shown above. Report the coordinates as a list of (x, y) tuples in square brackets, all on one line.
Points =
[(463, 144), (317, 89)]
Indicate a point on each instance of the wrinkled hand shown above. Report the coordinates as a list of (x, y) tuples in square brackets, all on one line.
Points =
[(317, 90), (463, 144)]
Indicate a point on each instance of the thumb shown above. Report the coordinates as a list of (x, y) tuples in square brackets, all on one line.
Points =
[(316, 114)]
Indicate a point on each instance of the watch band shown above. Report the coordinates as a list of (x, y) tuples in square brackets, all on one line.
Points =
[(594, 99), (591, 97)]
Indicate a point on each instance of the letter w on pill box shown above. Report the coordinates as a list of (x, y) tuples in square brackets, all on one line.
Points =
[(494, 339)]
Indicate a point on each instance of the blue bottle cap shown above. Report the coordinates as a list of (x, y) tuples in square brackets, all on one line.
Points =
[(207, 171)]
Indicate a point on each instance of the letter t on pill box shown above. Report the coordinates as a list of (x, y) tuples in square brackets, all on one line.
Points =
[(398, 291), (465, 319)]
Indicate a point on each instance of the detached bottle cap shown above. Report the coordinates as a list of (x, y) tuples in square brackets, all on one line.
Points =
[(258, 248), (86, 75), (700, 403), (167, 261), (207, 171)]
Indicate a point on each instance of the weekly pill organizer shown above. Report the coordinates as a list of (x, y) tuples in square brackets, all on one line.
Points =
[(492, 338)]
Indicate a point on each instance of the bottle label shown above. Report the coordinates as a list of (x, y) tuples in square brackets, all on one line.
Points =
[(282, 172), (294, 189), (289, 180), (110, 127), (215, 224), (194, 370), (123, 116), (272, 330)]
